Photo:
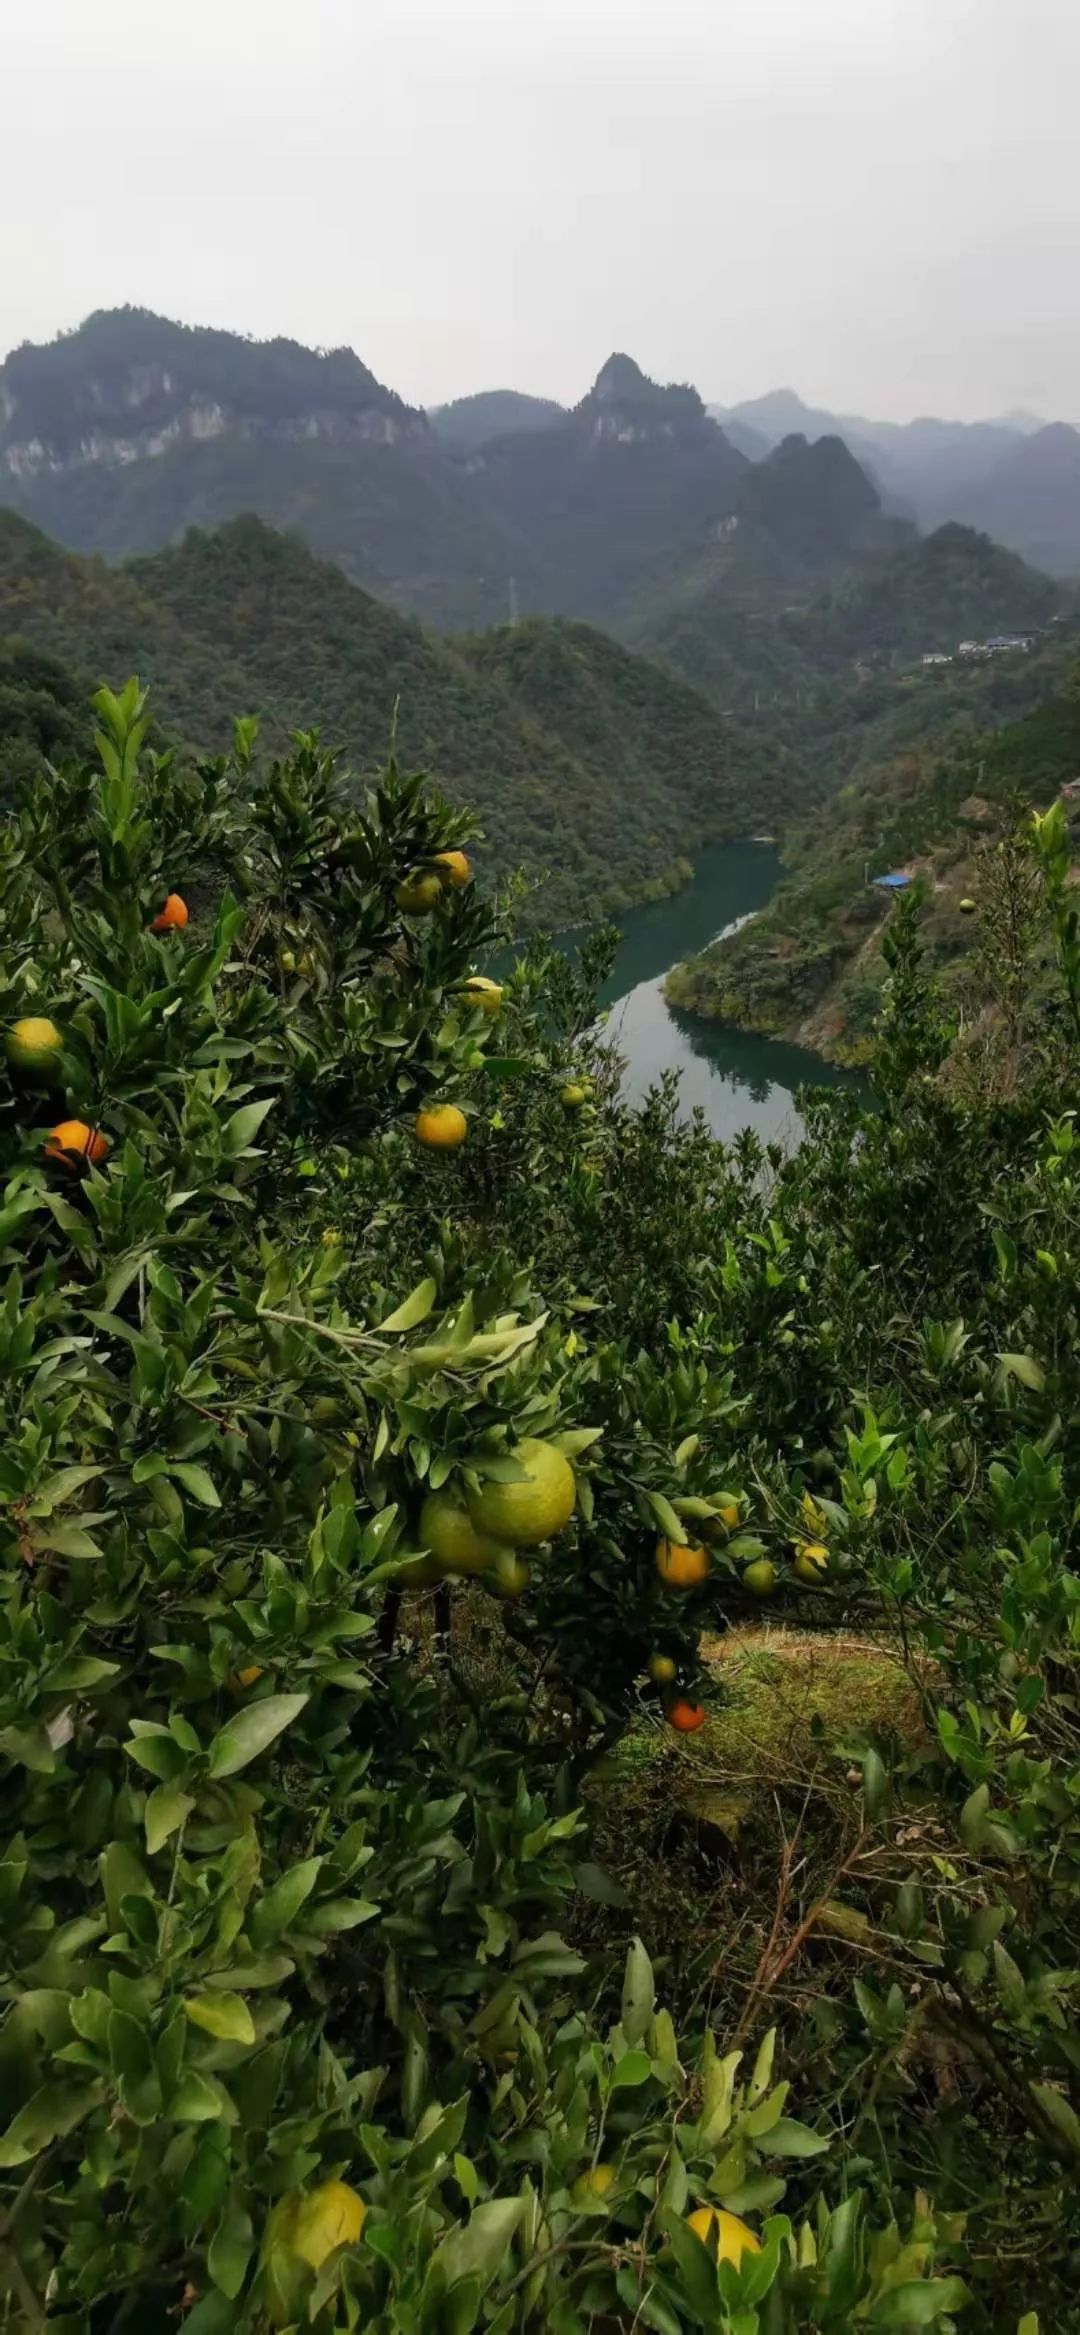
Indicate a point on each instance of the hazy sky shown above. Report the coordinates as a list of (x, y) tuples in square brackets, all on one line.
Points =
[(874, 200)]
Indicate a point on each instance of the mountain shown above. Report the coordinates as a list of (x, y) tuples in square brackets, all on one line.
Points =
[(923, 468), (117, 437), (470, 422), (621, 492), (1030, 498), (928, 595), (249, 620), (810, 966)]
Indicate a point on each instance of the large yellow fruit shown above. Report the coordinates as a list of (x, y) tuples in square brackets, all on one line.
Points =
[(534, 1509), (458, 870), (33, 1047), (331, 2215), (724, 2231), (483, 995), (417, 895), (681, 1566), (441, 1127), (447, 1529)]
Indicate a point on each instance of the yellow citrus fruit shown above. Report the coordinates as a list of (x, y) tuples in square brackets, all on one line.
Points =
[(483, 995), (680, 1566), (33, 1046), (457, 867), (812, 1561), (723, 2231), (573, 1097), (72, 1143), (534, 1508), (596, 2183), (509, 1575), (760, 1577), (331, 2215), (245, 1677), (173, 916), (661, 1669), (417, 895), (447, 1529), (442, 1127), (968, 907), (287, 960)]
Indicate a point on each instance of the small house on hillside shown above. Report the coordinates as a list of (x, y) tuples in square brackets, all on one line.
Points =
[(898, 881), (936, 657)]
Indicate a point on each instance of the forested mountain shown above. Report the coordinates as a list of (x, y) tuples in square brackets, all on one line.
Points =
[(471, 422), (1014, 478), (587, 764), (811, 965)]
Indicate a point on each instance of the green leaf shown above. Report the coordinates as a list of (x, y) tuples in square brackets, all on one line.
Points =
[(635, 2067), (241, 1130), (790, 2139), (1061, 2113), (1025, 1368), (196, 2100), (875, 1784), (53, 2111), (165, 1812), (223, 2015), (670, 1524), (196, 1481), (638, 1993), (276, 1911), (415, 1308), (602, 1887), (920, 2302), (244, 1737), (230, 2250), (478, 2250)]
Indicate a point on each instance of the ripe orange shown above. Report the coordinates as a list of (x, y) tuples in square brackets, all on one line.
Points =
[(245, 1677), (457, 867), (686, 1718), (33, 1047), (661, 1669), (730, 2236), (442, 1126), (417, 895), (72, 1143), (680, 1566), (173, 916)]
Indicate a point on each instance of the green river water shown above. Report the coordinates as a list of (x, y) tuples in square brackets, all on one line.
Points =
[(738, 1078)]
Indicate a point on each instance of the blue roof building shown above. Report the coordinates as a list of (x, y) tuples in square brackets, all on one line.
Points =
[(897, 882)]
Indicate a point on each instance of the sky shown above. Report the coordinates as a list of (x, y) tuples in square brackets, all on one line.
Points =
[(874, 201)]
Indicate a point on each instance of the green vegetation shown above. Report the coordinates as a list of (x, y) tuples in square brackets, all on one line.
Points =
[(812, 964), (471, 422), (326, 1996), (590, 767)]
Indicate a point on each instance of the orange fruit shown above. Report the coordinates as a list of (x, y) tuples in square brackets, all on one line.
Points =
[(33, 1046), (591, 2187), (457, 867), (417, 895), (447, 1529), (247, 1676), (661, 1669), (442, 1126), (723, 2231), (686, 1718), (533, 1508), (483, 995), (173, 916), (812, 1561), (331, 2215), (73, 1142), (681, 1566)]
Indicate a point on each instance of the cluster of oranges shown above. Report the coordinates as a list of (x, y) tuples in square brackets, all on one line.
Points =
[(34, 1048), (485, 1531), (442, 1126)]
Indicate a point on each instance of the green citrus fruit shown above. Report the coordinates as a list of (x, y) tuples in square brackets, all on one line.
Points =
[(760, 1577), (662, 1669), (483, 995), (418, 895), (812, 1561), (447, 1529), (591, 2187), (535, 1507), (573, 1097)]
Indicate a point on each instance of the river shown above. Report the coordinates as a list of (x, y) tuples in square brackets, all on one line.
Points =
[(738, 1078)]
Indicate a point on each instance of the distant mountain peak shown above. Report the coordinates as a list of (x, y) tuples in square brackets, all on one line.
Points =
[(625, 403)]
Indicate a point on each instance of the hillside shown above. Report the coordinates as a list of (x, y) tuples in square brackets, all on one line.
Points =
[(470, 422), (1031, 498), (810, 966), (248, 618)]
